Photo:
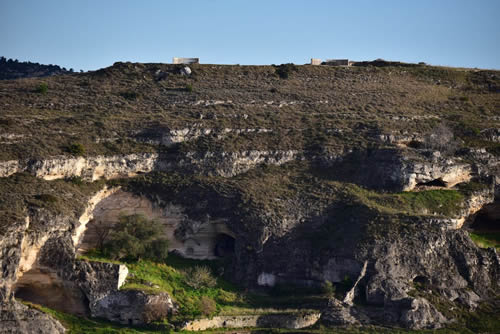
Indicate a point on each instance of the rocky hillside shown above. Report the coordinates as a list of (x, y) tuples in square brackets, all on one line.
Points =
[(372, 190)]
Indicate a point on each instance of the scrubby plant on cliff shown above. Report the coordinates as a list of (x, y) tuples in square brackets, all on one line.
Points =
[(135, 237), (200, 276), (76, 149), (441, 138), (284, 70), (207, 305), (42, 88)]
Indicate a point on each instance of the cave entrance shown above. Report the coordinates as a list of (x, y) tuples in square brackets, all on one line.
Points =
[(45, 288), (488, 218), (486, 226), (224, 245), (434, 183), (421, 280)]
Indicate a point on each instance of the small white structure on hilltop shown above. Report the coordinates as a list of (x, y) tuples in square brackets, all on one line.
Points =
[(315, 61), (178, 60)]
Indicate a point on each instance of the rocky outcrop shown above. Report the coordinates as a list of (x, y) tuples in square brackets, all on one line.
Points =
[(133, 307), (169, 137), (228, 164), (97, 280), (396, 169), (271, 320), (224, 164), (21, 319), (90, 168), (338, 314), (421, 314)]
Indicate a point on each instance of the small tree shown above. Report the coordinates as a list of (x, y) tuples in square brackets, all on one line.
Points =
[(440, 138), (42, 88), (76, 149), (328, 288), (207, 305), (200, 276), (102, 232), (135, 237), (284, 70), (157, 310)]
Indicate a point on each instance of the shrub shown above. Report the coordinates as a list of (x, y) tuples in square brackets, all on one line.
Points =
[(42, 88), (76, 180), (284, 70), (134, 237), (76, 149), (47, 198), (129, 95), (189, 88), (440, 138), (155, 311), (200, 276), (206, 305), (328, 288)]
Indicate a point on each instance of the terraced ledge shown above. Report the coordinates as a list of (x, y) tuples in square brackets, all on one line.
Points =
[(225, 164), (273, 320)]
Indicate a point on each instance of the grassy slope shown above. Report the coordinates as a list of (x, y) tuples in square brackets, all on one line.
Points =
[(104, 109)]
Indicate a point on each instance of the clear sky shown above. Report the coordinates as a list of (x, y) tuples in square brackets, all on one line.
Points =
[(90, 34)]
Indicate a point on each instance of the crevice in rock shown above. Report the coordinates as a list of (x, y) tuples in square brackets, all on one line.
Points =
[(433, 183)]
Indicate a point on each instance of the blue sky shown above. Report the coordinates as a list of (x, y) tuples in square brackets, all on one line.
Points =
[(90, 34)]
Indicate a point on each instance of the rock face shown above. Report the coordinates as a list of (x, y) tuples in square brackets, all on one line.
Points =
[(226, 164), (20, 319), (395, 170), (91, 168), (385, 256), (290, 321), (338, 314), (38, 261), (132, 307)]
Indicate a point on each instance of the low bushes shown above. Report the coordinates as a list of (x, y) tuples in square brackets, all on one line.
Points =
[(135, 237)]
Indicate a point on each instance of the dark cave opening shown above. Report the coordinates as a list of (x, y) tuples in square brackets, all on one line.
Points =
[(421, 280), (224, 245), (488, 218), (434, 183)]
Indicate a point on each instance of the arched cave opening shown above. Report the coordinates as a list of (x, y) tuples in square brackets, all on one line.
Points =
[(224, 245), (488, 218), (433, 183), (47, 289), (421, 280)]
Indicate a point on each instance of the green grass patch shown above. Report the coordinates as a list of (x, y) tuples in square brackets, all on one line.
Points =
[(444, 202), (486, 239), (170, 277), (79, 325)]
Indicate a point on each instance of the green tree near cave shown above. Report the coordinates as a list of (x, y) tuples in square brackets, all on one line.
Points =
[(135, 237)]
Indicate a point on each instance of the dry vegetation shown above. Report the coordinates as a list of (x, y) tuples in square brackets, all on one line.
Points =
[(103, 111)]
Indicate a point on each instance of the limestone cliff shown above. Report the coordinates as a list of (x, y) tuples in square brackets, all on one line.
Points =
[(368, 178)]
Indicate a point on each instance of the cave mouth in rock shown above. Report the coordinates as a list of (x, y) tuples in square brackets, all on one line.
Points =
[(421, 280), (433, 183), (224, 245), (47, 289), (488, 218)]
